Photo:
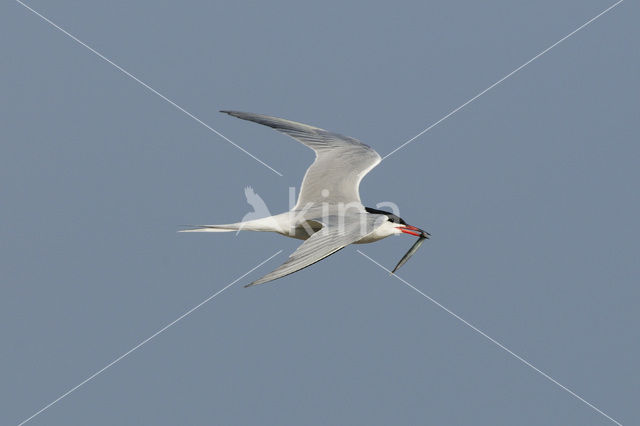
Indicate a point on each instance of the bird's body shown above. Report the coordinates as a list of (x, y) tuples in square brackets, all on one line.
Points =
[(328, 214), (297, 224)]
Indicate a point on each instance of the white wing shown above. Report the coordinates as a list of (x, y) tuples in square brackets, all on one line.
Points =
[(336, 234), (341, 162)]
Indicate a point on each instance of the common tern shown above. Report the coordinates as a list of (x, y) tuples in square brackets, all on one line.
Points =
[(328, 214)]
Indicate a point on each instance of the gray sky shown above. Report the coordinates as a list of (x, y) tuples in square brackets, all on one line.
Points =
[(530, 193)]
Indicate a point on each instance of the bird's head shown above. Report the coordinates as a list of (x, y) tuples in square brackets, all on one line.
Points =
[(401, 227)]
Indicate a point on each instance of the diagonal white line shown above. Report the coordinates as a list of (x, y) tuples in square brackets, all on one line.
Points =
[(146, 86), (503, 78), (147, 340), (492, 340)]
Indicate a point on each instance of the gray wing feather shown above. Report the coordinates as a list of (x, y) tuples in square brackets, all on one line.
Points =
[(341, 161), (331, 238)]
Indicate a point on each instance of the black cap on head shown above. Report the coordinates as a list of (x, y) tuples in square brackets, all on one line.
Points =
[(392, 217)]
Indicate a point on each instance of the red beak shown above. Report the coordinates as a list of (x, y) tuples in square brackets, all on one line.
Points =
[(411, 230)]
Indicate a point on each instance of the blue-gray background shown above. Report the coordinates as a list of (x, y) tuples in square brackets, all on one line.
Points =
[(531, 194)]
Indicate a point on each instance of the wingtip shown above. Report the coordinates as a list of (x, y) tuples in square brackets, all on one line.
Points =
[(256, 282)]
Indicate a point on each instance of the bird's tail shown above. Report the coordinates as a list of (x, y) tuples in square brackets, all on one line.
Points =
[(267, 224), (213, 228)]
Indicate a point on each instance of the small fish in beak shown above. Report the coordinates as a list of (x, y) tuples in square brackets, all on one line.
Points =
[(412, 230)]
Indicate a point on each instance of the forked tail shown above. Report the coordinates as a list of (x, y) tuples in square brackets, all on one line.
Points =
[(213, 228), (266, 224)]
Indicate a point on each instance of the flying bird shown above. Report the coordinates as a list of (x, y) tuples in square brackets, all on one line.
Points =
[(328, 214)]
